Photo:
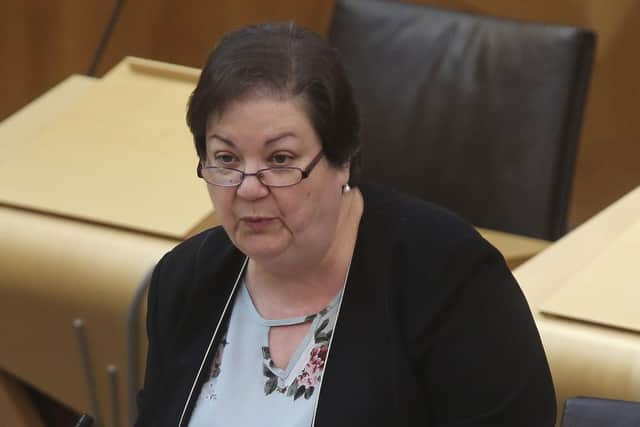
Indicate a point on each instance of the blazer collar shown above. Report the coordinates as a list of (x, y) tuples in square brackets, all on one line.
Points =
[(215, 271)]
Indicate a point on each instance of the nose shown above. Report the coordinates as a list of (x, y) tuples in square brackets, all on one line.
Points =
[(251, 188)]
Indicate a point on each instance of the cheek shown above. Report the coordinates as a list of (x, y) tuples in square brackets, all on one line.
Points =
[(221, 203), (312, 208), (294, 209)]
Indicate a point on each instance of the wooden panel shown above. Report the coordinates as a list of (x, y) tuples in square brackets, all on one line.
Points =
[(42, 43), (53, 272), (185, 31)]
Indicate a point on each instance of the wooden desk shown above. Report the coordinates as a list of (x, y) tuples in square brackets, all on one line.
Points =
[(588, 326), (125, 131), (74, 243), (515, 249)]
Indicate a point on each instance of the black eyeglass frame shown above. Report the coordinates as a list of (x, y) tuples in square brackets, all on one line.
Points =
[(304, 173)]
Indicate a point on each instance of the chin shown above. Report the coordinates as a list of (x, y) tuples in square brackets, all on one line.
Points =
[(261, 247)]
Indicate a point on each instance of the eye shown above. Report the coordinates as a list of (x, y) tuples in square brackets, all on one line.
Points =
[(225, 159), (281, 159)]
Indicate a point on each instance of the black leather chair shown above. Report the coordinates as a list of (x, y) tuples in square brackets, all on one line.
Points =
[(594, 412), (478, 114)]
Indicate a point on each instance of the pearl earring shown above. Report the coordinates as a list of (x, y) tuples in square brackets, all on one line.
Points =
[(346, 188)]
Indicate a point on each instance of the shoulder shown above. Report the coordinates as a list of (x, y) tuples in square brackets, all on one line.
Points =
[(432, 243), (178, 272), (203, 246), (402, 221), (457, 305), (434, 257)]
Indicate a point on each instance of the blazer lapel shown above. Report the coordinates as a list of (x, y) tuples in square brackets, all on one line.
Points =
[(214, 279), (356, 378)]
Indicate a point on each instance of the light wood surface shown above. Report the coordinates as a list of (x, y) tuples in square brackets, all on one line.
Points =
[(18, 130), (515, 249), (607, 289), (591, 360), (119, 155), (584, 293), (56, 270), (546, 273)]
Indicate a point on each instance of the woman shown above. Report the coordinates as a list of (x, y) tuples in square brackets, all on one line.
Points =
[(321, 301)]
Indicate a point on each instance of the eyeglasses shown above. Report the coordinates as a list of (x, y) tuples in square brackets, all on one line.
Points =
[(279, 176)]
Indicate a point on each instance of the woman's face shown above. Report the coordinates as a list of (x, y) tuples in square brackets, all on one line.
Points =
[(268, 223)]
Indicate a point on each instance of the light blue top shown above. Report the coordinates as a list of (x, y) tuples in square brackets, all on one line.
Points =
[(245, 388)]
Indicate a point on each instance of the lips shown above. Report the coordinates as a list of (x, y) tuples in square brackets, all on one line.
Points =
[(257, 224)]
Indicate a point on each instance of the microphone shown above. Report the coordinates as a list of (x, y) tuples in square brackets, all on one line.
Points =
[(85, 420)]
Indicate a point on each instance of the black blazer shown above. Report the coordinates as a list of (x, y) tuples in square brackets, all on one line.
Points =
[(433, 329)]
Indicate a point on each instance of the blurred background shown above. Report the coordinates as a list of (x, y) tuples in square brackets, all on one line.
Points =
[(41, 43)]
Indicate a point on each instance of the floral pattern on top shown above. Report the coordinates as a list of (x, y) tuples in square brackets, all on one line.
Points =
[(209, 393), (308, 379)]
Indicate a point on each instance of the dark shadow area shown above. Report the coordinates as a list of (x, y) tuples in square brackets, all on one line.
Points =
[(52, 412)]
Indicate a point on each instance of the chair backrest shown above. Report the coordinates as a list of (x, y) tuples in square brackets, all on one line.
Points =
[(479, 114), (595, 412)]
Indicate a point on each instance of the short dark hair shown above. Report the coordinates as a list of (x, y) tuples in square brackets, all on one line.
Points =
[(281, 59)]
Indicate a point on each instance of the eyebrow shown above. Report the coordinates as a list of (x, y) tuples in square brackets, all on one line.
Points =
[(269, 141), (225, 140)]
